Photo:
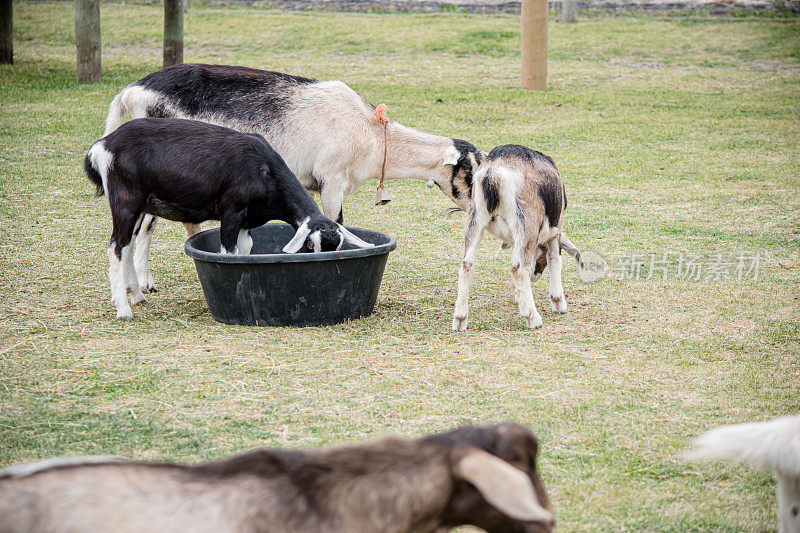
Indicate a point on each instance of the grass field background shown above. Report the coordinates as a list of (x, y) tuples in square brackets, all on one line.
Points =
[(672, 136)]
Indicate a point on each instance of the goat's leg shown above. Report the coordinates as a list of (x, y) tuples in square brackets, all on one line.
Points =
[(244, 242), (557, 300), (788, 502), (132, 281), (333, 199), (120, 250), (472, 241), (521, 264), (141, 257), (119, 295), (191, 229), (229, 230)]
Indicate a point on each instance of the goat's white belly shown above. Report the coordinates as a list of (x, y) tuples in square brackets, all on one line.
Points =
[(500, 229)]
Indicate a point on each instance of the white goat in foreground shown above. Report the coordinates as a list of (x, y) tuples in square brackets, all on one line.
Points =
[(774, 445), (518, 195)]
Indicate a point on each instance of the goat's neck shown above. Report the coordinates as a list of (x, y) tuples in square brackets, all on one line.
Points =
[(414, 154)]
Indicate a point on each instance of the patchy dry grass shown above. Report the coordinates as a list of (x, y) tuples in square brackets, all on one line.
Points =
[(672, 136)]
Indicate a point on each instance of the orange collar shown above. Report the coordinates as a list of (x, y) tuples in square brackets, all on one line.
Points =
[(382, 195)]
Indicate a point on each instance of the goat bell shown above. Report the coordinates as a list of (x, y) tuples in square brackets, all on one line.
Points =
[(382, 196)]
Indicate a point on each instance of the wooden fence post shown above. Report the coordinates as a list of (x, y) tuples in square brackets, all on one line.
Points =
[(534, 44), (6, 37), (569, 10), (173, 32), (87, 40)]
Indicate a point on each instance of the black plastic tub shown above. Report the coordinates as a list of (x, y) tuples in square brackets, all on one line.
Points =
[(271, 288)]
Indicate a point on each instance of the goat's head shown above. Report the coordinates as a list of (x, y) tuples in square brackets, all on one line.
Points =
[(321, 234), (496, 484), (459, 162)]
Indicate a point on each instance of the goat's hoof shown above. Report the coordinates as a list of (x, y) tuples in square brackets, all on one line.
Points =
[(459, 324), (139, 299), (558, 305), (125, 314), (147, 286), (533, 321)]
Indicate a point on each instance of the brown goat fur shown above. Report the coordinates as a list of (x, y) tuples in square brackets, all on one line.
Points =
[(392, 484)]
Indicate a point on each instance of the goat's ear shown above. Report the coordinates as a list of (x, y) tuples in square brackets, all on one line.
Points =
[(299, 238), (350, 238), (508, 488), (451, 155), (316, 240)]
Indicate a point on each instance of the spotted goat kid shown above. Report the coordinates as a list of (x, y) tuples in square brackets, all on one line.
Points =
[(518, 196)]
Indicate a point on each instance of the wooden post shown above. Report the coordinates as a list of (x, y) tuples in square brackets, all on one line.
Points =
[(568, 10), (534, 45), (6, 37), (173, 32), (87, 39)]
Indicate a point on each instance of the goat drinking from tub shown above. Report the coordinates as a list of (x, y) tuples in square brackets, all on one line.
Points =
[(191, 172), (518, 196), (325, 131), (480, 475)]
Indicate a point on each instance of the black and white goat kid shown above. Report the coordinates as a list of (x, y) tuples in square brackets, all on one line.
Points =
[(192, 172), (519, 197)]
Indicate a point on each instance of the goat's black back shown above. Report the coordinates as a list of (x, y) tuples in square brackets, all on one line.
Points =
[(244, 94), (196, 170)]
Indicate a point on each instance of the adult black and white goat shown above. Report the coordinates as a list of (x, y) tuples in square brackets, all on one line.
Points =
[(774, 445), (518, 196), (325, 131), (191, 172), (480, 475)]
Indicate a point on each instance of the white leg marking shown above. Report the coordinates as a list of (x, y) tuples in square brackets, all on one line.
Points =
[(244, 242), (119, 297), (141, 257), (523, 294), (558, 302), (465, 276), (129, 273)]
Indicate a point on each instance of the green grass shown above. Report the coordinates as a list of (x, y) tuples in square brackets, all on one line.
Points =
[(672, 136)]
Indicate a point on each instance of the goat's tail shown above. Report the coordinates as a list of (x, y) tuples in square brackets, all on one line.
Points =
[(773, 444), (96, 164), (571, 249), (116, 113)]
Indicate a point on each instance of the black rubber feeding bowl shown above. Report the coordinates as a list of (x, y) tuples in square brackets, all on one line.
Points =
[(271, 288)]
